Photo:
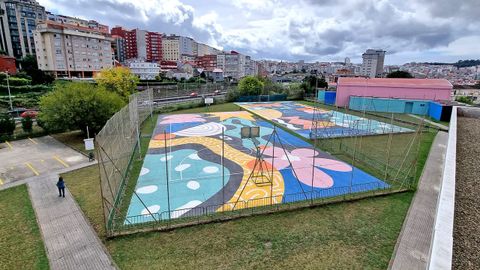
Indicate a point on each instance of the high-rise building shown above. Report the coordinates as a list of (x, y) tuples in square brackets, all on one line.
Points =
[(236, 65), (176, 48), (17, 21), (140, 44), (71, 50), (118, 47), (373, 63), (76, 21)]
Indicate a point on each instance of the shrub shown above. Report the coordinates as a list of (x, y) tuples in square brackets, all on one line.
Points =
[(232, 95), (27, 124), (14, 81), (7, 124)]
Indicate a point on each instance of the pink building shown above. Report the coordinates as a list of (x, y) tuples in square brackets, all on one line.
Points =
[(418, 89)]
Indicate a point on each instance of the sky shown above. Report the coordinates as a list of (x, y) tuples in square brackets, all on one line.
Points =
[(309, 30)]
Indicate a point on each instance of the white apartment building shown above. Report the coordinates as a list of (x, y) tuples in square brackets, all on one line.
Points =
[(236, 65), (204, 49), (71, 50), (145, 70), (373, 63)]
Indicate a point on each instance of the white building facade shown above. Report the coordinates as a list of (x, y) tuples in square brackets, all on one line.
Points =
[(373, 61), (145, 70)]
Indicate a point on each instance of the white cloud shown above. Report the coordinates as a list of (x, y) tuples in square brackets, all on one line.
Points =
[(301, 29)]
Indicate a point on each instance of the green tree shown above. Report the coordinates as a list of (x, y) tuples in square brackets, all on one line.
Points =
[(464, 99), (29, 66), (400, 74), (7, 124), (250, 86), (119, 80), (311, 82), (76, 105), (27, 124)]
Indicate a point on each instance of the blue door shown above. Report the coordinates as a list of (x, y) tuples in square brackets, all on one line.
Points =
[(408, 107)]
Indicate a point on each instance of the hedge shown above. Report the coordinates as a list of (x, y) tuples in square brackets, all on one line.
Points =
[(24, 89)]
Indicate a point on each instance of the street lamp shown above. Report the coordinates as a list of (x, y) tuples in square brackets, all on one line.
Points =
[(9, 94)]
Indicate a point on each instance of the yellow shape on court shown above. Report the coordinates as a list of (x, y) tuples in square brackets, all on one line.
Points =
[(9, 145), (226, 115), (32, 140), (30, 166), (266, 113), (252, 191), (61, 161), (1, 181)]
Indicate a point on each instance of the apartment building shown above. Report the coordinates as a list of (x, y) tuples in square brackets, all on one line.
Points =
[(373, 61), (92, 24), (179, 48), (140, 44), (207, 62), (145, 70), (203, 49), (118, 47), (70, 50), (17, 21)]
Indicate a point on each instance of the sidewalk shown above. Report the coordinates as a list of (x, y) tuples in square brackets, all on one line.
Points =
[(70, 241), (413, 244)]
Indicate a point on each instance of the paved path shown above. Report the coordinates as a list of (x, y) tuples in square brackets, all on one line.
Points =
[(442, 127), (414, 243), (70, 241)]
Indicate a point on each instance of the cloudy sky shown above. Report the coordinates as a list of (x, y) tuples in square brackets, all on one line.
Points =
[(310, 30)]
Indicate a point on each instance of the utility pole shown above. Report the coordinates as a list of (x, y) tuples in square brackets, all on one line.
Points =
[(9, 93)]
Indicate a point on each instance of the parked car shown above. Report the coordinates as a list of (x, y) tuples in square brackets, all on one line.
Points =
[(217, 92), (29, 113), (194, 94), (16, 112)]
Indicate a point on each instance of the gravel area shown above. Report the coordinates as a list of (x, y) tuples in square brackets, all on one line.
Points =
[(466, 235)]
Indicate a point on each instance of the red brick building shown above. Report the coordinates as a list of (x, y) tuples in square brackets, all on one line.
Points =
[(208, 62), (7, 64), (154, 46), (140, 43)]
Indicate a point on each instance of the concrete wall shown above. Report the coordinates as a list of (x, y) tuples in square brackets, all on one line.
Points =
[(442, 243)]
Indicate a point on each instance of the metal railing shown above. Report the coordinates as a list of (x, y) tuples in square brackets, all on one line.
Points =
[(216, 212)]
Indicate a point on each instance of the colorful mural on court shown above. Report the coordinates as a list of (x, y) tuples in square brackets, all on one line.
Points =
[(187, 150), (302, 119)]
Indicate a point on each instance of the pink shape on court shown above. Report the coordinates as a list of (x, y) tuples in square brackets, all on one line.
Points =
[(302, 163)]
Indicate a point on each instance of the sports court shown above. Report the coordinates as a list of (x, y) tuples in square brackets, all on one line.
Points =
[(184, 174), (311, 122)]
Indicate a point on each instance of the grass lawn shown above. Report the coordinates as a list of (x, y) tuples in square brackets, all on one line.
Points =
[(363, 233), (21, 245), (74, 139)]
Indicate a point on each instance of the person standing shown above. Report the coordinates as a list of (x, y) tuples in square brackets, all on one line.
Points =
[(61, 187)]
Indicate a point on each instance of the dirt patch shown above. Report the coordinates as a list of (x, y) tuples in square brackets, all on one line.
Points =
[(466, 243)]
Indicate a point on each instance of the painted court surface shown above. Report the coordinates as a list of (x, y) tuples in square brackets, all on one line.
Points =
[(330, 124), (186, 149)]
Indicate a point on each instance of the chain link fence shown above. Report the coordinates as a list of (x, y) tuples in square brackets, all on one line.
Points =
[(116, 144)]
